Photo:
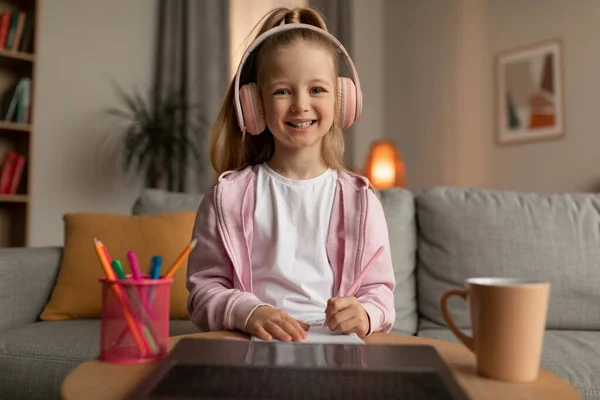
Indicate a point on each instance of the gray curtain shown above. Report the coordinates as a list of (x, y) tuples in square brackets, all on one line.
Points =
[(193, 60), (338, 16)]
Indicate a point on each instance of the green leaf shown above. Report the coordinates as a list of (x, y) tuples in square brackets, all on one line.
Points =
[(154, 136)]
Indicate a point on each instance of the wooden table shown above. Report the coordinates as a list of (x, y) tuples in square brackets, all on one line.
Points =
[(96, 380)]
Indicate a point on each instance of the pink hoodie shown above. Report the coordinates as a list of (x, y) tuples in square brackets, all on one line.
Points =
[(219, 274)]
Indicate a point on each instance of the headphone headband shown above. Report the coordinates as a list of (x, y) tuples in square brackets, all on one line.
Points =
[(288, 27)]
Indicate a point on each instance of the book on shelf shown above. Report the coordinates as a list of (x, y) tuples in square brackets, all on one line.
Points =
[(16, 102), (16, 31), (11, 172), (4, 25)]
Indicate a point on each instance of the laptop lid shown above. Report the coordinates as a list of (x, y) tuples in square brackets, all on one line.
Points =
[(237, 369)]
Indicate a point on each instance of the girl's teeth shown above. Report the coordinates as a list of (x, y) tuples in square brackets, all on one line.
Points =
[(302, 125)]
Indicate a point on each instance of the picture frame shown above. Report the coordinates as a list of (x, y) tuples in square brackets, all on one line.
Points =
[(529, 95)]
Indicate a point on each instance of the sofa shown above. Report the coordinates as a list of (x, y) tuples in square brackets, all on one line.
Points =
[(438, 238)]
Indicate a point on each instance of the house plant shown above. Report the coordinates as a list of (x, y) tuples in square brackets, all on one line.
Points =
[(161, 138)]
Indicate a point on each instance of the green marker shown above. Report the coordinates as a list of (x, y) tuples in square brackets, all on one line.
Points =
[(116, 264)]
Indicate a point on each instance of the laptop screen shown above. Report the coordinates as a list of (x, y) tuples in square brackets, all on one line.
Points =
[(227, 369), (203, 382)]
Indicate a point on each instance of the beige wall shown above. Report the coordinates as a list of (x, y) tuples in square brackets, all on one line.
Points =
[(420, 106), (82, 46), (368, 56), (439, 92)]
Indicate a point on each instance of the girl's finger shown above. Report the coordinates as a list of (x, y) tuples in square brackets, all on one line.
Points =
[(338, 318), (277, 331), (349, 326), (329, 302), (338, 304), (263, 334), (293, 329), (300, 326), (303, 325)]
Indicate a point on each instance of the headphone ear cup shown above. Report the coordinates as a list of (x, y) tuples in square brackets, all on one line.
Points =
[(252, 109), (346, 98)]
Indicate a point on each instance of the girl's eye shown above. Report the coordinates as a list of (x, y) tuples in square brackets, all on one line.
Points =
[(282, 91), (318, 90)]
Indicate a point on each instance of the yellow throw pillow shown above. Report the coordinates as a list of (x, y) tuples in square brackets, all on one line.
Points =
[(77, 293)]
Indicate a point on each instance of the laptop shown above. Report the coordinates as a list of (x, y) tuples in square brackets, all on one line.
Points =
[(238, 369)]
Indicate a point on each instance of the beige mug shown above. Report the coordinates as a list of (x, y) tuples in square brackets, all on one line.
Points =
[(508, 320)]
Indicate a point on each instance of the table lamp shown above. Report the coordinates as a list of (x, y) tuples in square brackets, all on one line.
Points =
[(384, 167)]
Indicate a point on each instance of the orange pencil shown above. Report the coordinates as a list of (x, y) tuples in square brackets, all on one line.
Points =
[(181, 257), (110, 274)]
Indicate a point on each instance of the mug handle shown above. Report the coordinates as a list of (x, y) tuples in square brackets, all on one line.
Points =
[(467, 340)]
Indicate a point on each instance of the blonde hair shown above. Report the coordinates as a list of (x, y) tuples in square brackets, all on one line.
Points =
[(232, 150)]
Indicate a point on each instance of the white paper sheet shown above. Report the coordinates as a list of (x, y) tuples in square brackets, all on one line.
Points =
[(318, 334)]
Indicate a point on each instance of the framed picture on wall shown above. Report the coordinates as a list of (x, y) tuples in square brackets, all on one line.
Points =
[(530, 102)]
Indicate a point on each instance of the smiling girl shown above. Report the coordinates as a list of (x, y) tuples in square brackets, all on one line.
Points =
[(289, 238)]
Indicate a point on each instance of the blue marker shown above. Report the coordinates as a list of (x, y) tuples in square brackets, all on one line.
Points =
[(155, 266)]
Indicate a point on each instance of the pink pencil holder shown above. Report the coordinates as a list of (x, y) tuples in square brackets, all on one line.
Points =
[(134, 320)]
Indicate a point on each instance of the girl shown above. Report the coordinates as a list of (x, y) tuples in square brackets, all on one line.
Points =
[(289, 238)]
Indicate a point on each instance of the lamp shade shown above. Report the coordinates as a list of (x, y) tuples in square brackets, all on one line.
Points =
[(384, 167)]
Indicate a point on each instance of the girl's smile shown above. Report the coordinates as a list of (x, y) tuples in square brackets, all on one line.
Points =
[(301, 125)]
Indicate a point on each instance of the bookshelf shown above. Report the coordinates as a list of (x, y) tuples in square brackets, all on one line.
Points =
[(17, 64)]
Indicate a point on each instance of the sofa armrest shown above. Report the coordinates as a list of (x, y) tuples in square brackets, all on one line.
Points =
[(27, 277)]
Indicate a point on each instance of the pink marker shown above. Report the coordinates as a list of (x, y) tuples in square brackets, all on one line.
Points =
[(133, 263), (137, 275)]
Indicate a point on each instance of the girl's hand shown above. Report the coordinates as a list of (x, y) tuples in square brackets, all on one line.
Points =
[(268, 323), (346, 315)]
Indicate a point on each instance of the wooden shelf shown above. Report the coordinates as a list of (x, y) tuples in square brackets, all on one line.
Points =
[(14, 198), (17, 55), (15, 209), (13, 126)]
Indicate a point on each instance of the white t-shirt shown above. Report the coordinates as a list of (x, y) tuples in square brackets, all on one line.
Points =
[(290, 269)]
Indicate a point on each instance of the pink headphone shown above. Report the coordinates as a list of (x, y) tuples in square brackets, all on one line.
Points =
[(247, 102)]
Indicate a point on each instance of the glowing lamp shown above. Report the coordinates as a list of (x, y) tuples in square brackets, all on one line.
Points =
[(384, 167)]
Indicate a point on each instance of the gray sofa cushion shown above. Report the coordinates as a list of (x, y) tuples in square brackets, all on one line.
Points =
[(477, 232), (155, 201), (35, 358), (572, 355), (27, 276), (399, 209)]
